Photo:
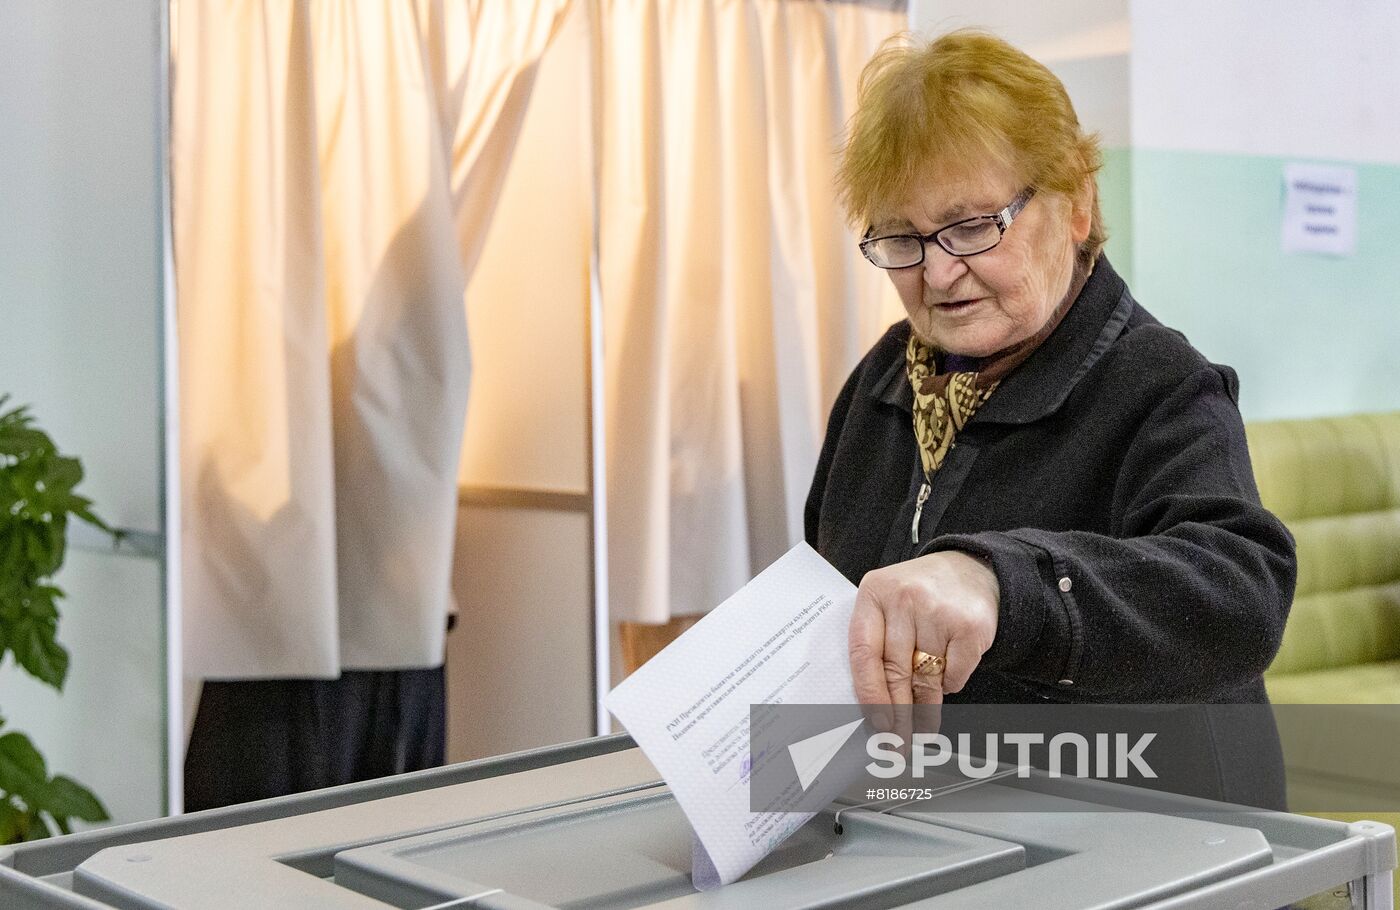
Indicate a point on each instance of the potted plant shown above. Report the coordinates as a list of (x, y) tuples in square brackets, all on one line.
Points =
[(36, 501)]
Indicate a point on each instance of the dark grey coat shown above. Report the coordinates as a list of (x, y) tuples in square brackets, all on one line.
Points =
[(1107, 482)]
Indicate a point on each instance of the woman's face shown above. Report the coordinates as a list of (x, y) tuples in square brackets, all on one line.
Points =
[(978, 305)]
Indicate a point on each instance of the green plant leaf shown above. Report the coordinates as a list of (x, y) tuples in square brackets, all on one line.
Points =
[(37, 498), (12, 563), (34, 647), (13, 822), (80, 509), (38, 828), (43, 602), (61, 476), (11, 606), (22, 769), (43, 561), (66, 798), (55, 534), (45, 554), (22, 442)]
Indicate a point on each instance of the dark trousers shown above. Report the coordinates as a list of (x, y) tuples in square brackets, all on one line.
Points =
[(256, 739)]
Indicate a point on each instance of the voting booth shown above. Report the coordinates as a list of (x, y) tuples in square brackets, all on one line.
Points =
[(590, 824)]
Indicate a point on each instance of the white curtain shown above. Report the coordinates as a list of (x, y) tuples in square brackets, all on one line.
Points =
[(335, 166), (735, 299)]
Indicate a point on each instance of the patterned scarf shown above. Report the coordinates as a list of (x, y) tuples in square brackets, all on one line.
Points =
[(943, 403)]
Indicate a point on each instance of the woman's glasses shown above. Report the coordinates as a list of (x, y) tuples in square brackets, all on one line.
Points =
[(967, 237)]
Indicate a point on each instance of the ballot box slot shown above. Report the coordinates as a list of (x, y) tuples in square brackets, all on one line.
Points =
[(637, 853)]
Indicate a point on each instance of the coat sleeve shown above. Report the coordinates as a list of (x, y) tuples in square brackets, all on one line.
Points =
[(811, 518), (1185, 601)]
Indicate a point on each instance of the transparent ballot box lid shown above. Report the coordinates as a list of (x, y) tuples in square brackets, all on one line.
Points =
[(637, 853)]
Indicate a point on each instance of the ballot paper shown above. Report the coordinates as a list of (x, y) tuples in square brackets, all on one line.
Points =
[(781, 639)]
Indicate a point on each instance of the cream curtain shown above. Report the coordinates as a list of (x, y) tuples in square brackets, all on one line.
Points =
[(735, 300), (335, 165)]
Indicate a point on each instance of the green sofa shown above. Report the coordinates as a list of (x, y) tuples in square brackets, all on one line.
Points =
[(1336, 483)]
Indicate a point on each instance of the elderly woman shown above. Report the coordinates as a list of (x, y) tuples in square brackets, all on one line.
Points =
[(1043, 493)]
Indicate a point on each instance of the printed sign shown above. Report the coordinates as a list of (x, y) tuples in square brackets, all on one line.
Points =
[(1319, 209)]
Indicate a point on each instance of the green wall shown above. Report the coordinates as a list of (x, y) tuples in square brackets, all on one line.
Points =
[(1116, 203), (1198, 237)]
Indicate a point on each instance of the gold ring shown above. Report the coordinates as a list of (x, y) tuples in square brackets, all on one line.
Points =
[(926, 664)]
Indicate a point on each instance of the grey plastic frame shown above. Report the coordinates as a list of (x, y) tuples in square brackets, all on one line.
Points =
[(1310, 855), (24, 868)]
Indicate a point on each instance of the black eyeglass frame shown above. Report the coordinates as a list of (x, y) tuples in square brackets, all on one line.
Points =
[(1001, 219)]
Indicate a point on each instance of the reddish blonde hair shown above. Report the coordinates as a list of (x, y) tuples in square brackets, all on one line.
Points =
[(960, 100)]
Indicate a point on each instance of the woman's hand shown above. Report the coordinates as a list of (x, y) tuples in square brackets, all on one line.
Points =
[(944, 603)]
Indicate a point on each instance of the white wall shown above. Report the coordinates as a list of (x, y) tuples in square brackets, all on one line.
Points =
[(1268, 77), (80, 305)]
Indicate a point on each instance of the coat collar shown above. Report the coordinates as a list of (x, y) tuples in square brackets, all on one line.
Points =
[(1039, 386)]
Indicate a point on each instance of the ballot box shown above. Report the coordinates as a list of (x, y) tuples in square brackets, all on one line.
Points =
[(589, 824)]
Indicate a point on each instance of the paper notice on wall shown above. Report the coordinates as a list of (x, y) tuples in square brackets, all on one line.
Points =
[(1319, 209), (782, 639)]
